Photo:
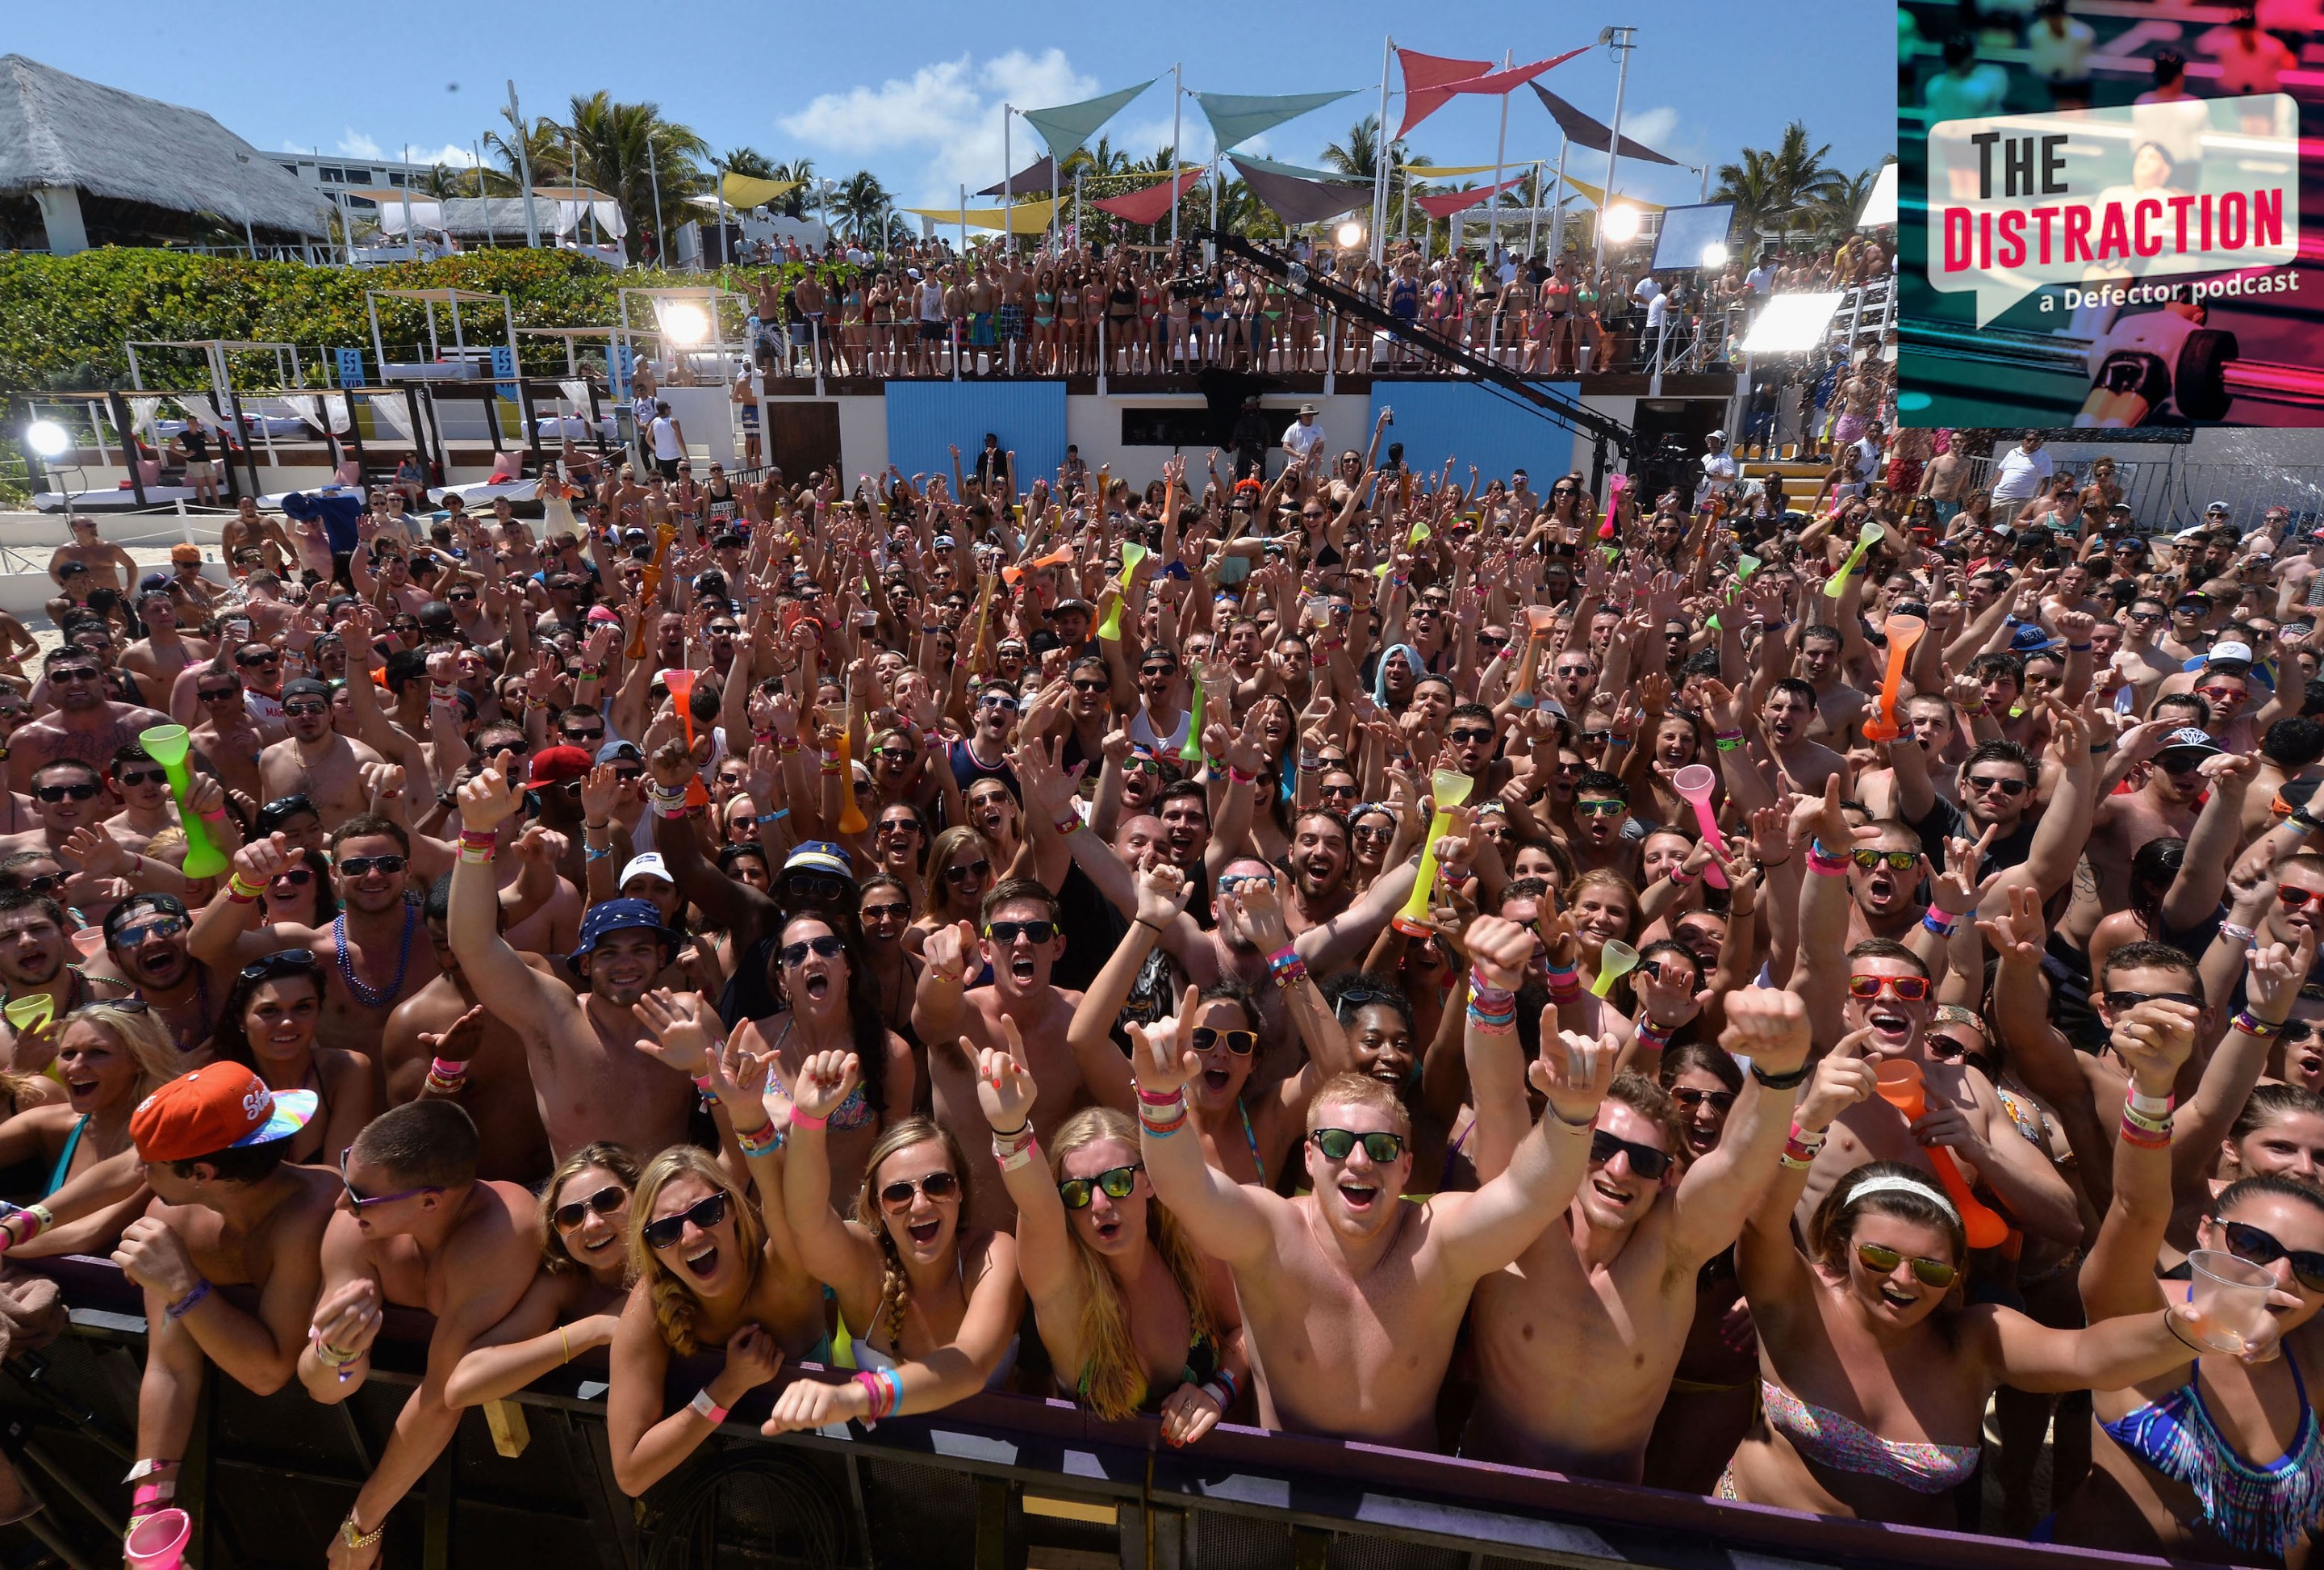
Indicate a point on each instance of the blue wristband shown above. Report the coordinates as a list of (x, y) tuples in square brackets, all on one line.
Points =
[(777, 816)]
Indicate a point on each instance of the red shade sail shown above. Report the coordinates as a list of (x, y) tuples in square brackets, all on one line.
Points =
[(1444, 204), (1425, 77), (1148, 204)]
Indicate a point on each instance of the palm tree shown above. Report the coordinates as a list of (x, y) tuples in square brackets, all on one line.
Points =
[(611, 142), (1778, 189), (441, 181), (793, 206), (749, 162), (544, 144), (860, 200), (1833, 214), (1103, 159)]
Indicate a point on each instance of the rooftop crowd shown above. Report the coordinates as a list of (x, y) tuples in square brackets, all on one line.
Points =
[(1692, 991)]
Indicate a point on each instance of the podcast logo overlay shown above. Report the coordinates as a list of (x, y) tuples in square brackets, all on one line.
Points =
[(2096, 200)]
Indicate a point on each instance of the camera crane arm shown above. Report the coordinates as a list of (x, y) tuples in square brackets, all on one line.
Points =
[(1602, 430)]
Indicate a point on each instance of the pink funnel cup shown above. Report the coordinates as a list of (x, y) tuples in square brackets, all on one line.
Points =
[(1695, 782), (159, 1541)]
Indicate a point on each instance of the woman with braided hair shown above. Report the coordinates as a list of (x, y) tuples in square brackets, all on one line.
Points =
[(932, 1306)]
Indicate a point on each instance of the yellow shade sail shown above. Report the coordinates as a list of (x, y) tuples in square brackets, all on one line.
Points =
[(1598, 196), (1447, 172), (741, 190), (1027, 217)]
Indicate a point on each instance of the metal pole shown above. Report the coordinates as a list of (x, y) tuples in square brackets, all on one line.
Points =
[(1007, 182), (661, 234), (524, 168), (1077, 206), (1054, 205), (1403, 229), (242, 184), (1178, 105), (1618, 40), (411, 238), (492, 240), (1533, 223), (1500, 148), (1557, 205), (1379, 153)]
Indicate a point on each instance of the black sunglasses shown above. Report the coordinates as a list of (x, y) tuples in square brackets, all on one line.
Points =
[(605, 1202), (356, 866), (1116, 1181), (1336, 1143), (1005, 932), (1645, 1160), (899, 912), (81, 792), (816, 886), (1692, 1098), (705, 1214), (979, 868), (826, 947), (2119, 1002), (280, 963), (2259, 1247)]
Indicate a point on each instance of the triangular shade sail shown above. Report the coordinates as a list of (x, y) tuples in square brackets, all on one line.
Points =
[(1584, 132), (1300, 202), (1447, 172), (1237, 117), (746, 191), (1041, 176), (1598, 198), (1444, 204), (1295, 170), (1510, 81), (1148, 204), (1066, 127), (1027, 218), (1425, 77)]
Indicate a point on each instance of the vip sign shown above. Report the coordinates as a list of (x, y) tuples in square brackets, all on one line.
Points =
[(2098, 201)]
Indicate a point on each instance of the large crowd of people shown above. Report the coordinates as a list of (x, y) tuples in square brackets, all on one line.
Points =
[(1815, 1008)]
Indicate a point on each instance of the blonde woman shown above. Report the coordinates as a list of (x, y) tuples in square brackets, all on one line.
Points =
[(932, 1306), (1117, 1291), (110, 1057), (710, 1269), (961, 869), (575, 1301)]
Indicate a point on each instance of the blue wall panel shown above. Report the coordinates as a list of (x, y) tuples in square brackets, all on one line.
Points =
[(926, 419), (1476, 425)]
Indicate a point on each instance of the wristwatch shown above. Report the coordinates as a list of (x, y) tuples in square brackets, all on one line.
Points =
[(355, 1538)]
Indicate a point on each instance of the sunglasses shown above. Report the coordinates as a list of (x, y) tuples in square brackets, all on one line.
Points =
[(1479, 738), (975, 872), (1155, 672), (277, 658), (584, 738), (1882, 1260), (457, 599), (216, 694), (605, 1202), (826, 947), (705, 1214), (168, 926), (1989, 782), (1242, 1043), (999, 700), (2220, 694), (59, 792), (72, 673), (1898, 861), (1116, 1181), (1347, 790), (144, 777), (2297, 898), (1336, 1143), (1905, 989), (362, 1202), (297, 877), (2119, 1002), (1092, 687), (1692, 1100), (45, 883), (899, 911), (1600, 808), (297, 710), (1645, 1160), (2257, 1246), (1241, 881), (357, 866), (1142, 766), (1006, 932), (937, 1186)]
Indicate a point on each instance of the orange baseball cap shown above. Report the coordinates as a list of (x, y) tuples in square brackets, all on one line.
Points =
[(216, 1107)]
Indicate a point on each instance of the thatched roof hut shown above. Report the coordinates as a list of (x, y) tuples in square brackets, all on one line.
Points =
[(83, 164)]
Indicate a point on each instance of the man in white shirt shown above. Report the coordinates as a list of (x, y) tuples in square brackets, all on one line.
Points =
[(1761, 281), (1304, 438), (1651, 295), (669, 439), (1719, 470), (1862, 457), (2023, 474)]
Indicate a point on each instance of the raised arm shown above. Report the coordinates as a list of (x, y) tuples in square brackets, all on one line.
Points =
[(503, 982), (1769, 1028), (1480, 1233), (1232, 1223), (1162, 894)]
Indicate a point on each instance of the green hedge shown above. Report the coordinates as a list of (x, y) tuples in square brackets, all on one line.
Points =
[(63, 318)]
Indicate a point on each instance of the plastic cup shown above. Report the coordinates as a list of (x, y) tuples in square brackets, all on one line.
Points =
[(1616, 959), (2226, 1299), (159, 1541), (90, 941), (30, 1012)]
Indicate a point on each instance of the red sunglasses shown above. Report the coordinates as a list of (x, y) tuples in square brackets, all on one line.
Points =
[(1908, 989)]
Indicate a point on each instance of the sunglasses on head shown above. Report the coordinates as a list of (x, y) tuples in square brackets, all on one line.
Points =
[(282, 962), (1882, 1260), (1898, 861), (1905, 989), (1692, 1099), (363, 1202), (605, 1202), (1336, 1144), (705, 1214), (1116, 1181), (1242, 1043), (936, 1185), (1645, 1160), (827, 946), (357, 866), (81, 792)]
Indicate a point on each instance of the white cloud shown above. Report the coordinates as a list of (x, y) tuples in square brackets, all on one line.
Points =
[(448, 154), (1651, 126), (356, 144)]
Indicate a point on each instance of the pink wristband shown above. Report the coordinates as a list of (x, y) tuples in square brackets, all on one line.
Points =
[(800, 1119)]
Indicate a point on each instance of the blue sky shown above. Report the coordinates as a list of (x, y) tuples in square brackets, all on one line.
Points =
[(912, 90)]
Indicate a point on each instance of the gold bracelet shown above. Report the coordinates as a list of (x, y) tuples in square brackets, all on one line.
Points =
[(566, 1343)]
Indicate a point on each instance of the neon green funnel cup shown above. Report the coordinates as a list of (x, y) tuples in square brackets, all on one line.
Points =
[(167, 745), (1132, 556), (1451, 791)]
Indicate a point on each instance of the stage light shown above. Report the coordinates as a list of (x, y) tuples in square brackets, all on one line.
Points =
[(1621, 224), (47, 437), (1792, 324), (1351, 232), (685, 324), (1714, 255)]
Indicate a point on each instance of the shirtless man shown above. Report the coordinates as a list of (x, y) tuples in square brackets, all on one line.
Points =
[(249, 530), (1022, 942), (227, 1212), (1353, 1297), (808, 329), (1576, 1342), (108, 566), (371, 952), (156, 659), (1837, 704), (227, 734), (1788, 722), (445, 1021), (34, 946), (2141, 661), (2165, 805), (416, 1227), (592, 1078), (145, 940), (86, 726), (314, 759), (1601, 806)]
